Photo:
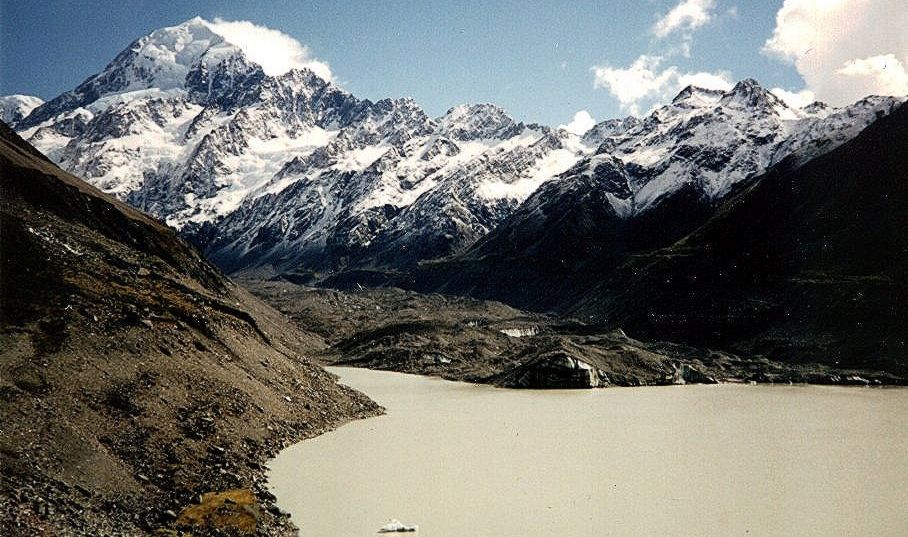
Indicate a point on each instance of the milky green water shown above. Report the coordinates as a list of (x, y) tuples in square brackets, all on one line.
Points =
[(466, 460)]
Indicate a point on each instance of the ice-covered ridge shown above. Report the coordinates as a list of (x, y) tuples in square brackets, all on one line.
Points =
[(250, 173), (15, 107), (713, 140)]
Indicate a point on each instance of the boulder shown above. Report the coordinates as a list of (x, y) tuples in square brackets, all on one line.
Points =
[(557, 370), (688, 374)]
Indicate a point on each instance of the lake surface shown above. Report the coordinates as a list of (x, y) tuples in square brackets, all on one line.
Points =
[(466, 460)]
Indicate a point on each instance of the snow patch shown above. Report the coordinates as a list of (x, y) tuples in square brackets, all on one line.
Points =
[(49, 238), (520, 332), (360, 159)]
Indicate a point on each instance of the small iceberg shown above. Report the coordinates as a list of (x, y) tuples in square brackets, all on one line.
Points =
[(396, 526)]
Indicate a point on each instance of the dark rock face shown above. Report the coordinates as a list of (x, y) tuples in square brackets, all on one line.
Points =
[(556, 371), (688, 374), (809, 264)]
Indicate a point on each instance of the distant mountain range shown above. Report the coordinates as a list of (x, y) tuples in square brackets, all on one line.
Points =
[(807, 263), (295, 174), (291, 175)]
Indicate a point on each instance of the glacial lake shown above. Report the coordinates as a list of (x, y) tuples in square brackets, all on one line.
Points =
[(466, 460)]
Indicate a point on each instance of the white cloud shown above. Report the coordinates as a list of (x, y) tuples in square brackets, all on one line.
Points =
[(717, 81), (635, 83), (275, 51), (687, 15), (844, 49), (795, 99), (581, 123), (644, 83), (886, 69)]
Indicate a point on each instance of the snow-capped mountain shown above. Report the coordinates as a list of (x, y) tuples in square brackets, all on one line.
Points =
[(647, 185), (808, 263), (15, 107), (712, 140), (394, 188), (183, 125), (292, 171)]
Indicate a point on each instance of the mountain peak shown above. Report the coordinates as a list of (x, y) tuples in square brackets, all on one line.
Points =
[(477, 121), (697, 93), (749, 84), (750, 93), (195, 21), (15, 107), (161, 60), (749, 89)]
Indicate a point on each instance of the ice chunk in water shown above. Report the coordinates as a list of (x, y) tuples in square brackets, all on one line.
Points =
[(394, 526)]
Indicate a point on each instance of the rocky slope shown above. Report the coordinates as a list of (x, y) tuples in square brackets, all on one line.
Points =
[(488, 342), (133, 375)]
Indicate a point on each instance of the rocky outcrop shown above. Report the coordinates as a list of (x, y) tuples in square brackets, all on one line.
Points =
[(555, 371), (688, 374)]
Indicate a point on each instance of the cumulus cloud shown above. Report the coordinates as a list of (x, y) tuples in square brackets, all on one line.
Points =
[(718, 81), (633, 84), (844, 49), (885, 69), (687, 15), (581, 123), (275, 51), (795, 99), (644, 83)]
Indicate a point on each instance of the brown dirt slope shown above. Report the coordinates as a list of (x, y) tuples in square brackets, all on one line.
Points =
[(134, 376)]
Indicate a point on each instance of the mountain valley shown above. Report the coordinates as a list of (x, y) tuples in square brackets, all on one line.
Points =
[(189, 237)]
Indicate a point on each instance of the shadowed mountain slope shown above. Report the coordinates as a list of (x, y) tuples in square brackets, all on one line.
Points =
[(808, 264)]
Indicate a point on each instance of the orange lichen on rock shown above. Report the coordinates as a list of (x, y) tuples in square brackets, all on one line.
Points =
[(236, 510)]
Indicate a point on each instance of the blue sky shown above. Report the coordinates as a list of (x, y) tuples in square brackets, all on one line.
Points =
[(536, 59)]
